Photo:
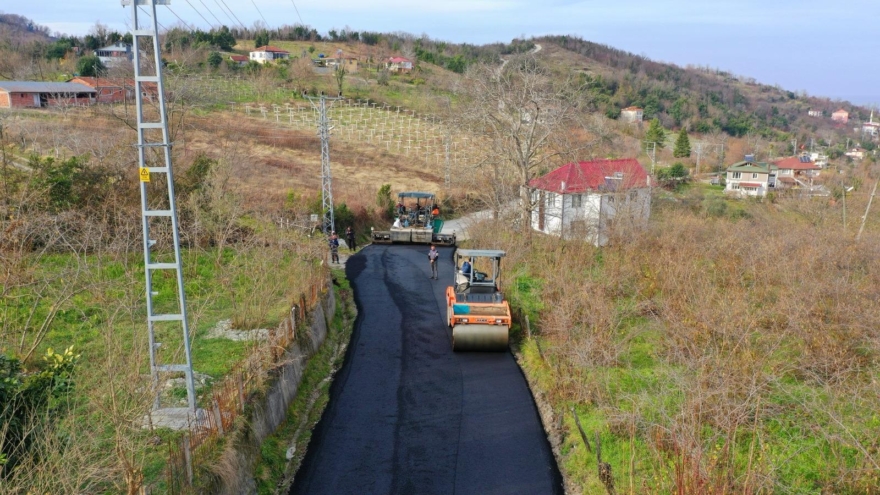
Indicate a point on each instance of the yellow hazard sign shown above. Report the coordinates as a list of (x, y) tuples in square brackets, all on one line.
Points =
[(145, 174)]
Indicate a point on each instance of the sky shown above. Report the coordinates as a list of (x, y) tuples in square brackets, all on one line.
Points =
[(822, 47)]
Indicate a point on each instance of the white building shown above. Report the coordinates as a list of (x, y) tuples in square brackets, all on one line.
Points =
[(632, 114), (587, 200), (751, 178), (268, 53)]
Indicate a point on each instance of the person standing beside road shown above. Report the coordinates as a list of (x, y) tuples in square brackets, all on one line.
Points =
[(432, 257), (334, 247), (349, 238)]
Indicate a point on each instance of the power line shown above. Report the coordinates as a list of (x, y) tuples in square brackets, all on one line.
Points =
[(200, 14), (188, 26), (157, 20), (297, 13), (211, 12), (261, 14), (231, 12)]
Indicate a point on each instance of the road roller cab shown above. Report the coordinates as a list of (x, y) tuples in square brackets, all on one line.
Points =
[(475, 306)]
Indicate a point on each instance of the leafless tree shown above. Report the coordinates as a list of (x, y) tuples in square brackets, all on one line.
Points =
[(526, 116)]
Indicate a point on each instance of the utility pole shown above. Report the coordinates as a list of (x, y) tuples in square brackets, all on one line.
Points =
[(153, 140), (653, 154), (319, 103), (448, 178)]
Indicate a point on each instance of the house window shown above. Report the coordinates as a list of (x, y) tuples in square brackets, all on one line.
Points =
[(633, 195), (611, 199), (754, 175), (737, 175), (734, 186), (576, 201)]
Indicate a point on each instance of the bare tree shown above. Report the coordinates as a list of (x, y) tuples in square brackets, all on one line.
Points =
[(524, 112)]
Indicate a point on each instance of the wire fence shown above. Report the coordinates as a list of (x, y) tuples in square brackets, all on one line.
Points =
[(228, 398)]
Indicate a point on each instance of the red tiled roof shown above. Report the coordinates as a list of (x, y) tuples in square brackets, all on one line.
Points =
[(104, 82), (589, 176), (270, 48), (631, 108), (750, 184), (839, 110), (239, 58), (397, 60), (794, 163)]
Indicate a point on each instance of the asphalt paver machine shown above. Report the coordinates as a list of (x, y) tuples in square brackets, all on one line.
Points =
[(475, 306), (415, 222)]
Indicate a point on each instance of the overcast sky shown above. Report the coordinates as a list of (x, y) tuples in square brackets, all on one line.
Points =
[(824, 47)]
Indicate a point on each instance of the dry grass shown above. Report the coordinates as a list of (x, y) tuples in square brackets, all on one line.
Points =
[(715, 355)]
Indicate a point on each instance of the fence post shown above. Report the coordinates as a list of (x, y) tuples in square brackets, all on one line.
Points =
[(217, 416), (187, 456)]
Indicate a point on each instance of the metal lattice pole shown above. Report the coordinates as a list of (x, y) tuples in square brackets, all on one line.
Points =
[(320, 105), (153, 135)]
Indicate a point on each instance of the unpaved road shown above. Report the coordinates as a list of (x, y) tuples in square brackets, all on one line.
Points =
[(409, 416)]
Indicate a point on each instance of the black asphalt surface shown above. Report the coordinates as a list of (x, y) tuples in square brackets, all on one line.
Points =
[(407, 415)]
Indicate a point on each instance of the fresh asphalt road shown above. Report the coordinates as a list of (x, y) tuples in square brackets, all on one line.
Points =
[(407, 415)]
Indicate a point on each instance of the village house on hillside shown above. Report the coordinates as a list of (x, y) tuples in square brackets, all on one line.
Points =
[(751, 178), (268, 53), (814, 113), (871, 128), (840, 115), (117, 90), (797, 172), (34, 94), (239, 60), (586, 200), (115, 54), (399, 65), (631, 114)]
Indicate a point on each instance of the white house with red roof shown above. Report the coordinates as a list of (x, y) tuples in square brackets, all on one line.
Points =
[(269, 53), (239, 60), (399, 64), (585, 200), (796, 171), (632, 114)]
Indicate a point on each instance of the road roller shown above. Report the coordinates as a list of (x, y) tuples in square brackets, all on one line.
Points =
[(475, 307)]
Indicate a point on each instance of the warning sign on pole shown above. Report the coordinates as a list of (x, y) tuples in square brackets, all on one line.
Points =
[(145, 174)]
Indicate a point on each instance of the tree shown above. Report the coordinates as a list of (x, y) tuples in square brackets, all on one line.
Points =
[(90, 66), (215, 59), (339, 75), (224, 39), (261, 39), (522, 112), (656, 134), (682, 145)]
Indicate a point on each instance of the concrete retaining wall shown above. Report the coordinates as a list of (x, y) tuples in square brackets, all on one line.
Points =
[(235, 472)]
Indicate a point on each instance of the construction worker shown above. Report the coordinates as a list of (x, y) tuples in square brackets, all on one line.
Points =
[(334, 247), (432, 258)]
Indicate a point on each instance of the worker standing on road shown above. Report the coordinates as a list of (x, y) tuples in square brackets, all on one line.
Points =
[(349, 238), (334, 247), (432, 257)]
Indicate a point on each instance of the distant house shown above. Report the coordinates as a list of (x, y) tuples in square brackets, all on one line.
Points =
[(751, 178), (856, 153), (840, 115), (268, 53), (631, 114), (33, 94), (399, 65), (116, 90), (870, 127), (796, 172), (115, 54), (585, 200), (239, 60), (819, 159), (814, 113)]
